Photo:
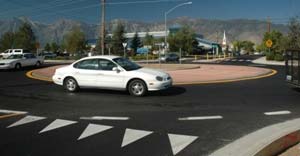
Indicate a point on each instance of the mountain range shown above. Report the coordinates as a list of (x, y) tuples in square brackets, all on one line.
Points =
[(236, 29)]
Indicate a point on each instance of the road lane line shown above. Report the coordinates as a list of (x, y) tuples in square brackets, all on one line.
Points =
[(12, 111), (9, 115), (179, 142), (200, 118), (278, 113), (104, 118)]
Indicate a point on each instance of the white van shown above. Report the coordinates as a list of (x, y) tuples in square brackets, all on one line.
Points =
[(9, 52)]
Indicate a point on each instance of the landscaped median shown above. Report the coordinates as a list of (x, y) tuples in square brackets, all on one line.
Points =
[(184, 74)]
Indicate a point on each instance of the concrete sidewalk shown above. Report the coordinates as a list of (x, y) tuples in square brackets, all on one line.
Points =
[(262, 60), (187, 73)]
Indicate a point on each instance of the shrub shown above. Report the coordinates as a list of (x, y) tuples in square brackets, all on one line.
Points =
[(270, 56), (279, 57)]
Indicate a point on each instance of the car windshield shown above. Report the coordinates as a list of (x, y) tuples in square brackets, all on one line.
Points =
[(15, 57), (126, 64)]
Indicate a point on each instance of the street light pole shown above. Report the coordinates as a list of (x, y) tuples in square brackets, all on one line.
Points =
[(102, 36), (166, 13)]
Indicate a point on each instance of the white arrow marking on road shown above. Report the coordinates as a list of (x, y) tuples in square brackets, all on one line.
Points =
[(58, 123), (278, 113), (201, 118), (93, 129), (132, 135), (12, 111), (179, 142), (104, 118), (25, 120)]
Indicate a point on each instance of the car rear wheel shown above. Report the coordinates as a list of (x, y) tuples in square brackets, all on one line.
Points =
[(71, 85), (137, 88), (18, 66)]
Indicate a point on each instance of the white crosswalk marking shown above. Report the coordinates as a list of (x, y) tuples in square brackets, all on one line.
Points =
[(58, 123), (132, 135), (179, 142), (26, 120), (93, 129)]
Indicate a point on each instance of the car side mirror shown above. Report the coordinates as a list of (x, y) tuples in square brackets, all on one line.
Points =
[(116, 69)]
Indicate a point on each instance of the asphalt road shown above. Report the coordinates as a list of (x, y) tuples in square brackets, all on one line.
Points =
[(149, 126)]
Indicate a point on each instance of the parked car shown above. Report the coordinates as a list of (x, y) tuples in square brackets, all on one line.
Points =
[(17, 61), (111, 72), (169, 57), (9, 52), (48, 55)]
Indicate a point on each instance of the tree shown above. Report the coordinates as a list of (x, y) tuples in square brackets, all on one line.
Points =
[(47, 47), (184, 39), (118, 39), (136, 42), (248, 46), (237, 46), (276, 37), (54, 47), (293, 38), (25, 38), (75, 41), (7, 41), (148, 40)]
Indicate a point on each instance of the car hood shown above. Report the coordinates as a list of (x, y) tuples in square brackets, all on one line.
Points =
[(8, 60), (154, 72)]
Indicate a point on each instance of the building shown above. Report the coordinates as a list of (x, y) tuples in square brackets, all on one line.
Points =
[(203, 44)]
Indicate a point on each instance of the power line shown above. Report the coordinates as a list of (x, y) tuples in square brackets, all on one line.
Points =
[(142, 2), (51, 5)]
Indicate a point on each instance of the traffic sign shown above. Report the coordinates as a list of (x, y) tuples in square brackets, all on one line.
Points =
[(124, 44), (269, 43)]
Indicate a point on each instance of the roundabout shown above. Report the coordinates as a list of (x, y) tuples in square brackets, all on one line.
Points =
[(187, 74)]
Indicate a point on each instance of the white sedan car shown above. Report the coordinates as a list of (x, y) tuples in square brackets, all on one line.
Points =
[(111, 72)]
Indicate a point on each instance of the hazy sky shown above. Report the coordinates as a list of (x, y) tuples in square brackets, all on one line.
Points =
[(149, 10)]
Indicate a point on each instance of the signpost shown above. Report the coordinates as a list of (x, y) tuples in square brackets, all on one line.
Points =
[(124, 45), (269, 44)]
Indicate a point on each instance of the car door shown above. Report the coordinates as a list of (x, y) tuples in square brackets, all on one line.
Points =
[(86, 72), (25, 61), (110, 78)]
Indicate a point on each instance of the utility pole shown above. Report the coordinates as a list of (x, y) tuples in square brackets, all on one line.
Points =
[(269, 24), (102, 32)]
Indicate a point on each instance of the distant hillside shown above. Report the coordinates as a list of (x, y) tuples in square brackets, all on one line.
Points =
[(239, 29)]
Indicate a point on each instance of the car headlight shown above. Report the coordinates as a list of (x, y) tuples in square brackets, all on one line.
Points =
[(158, 78)]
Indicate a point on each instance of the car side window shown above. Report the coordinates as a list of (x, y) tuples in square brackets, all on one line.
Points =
[(106, 65), (90, 64)]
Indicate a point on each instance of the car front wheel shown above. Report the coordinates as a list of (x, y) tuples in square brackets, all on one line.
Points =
[(137, 88), (71, 85)]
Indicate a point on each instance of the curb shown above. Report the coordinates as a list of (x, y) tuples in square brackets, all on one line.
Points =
[(280, 145), (268, 141), (31, 75)]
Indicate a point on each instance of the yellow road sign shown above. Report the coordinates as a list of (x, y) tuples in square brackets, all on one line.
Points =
[(269, 43)]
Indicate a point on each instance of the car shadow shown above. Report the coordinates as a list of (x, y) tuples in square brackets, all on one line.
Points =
[(173, 91), (296, 89)]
